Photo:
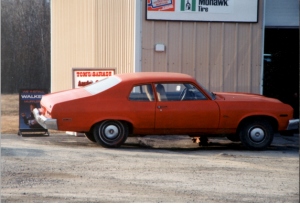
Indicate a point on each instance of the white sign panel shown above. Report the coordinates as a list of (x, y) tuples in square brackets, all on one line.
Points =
[(83, 77), (203, 10)]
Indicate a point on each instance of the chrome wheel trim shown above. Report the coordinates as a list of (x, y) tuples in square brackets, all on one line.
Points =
[(111, 131), (257, 134)]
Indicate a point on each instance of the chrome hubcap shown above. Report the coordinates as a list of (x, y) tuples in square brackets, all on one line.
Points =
[(257, 134), (111, 131)]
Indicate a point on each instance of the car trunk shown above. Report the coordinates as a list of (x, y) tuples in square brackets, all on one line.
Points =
[(50, 100)]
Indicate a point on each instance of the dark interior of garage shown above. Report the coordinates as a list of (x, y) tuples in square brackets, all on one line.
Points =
[(281, 66)]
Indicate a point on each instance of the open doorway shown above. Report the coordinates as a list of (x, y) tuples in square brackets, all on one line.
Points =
[(281, 66)]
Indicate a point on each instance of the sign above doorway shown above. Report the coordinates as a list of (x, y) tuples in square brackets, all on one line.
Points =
[(203, 10)]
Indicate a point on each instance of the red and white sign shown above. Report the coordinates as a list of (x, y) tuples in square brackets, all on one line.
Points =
[(83, 76)]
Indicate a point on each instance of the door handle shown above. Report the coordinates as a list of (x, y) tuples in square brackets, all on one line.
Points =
[(160, 107)]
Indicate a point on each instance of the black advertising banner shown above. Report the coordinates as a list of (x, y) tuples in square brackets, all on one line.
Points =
[(28, 100)]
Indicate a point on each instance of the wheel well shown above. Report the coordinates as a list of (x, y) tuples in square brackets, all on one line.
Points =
[(130, 126), (270, 119)]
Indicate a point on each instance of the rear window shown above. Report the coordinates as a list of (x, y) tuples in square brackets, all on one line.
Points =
[(103, 85), (142, 93)]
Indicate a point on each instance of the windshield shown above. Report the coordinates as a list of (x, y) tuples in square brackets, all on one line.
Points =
[(211, 94), (102, 85)]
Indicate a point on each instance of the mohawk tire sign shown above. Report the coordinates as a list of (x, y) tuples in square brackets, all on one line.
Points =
[(203, 10)]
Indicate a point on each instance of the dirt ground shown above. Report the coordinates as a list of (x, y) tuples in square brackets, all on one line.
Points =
[(65, 168), (9, 113)]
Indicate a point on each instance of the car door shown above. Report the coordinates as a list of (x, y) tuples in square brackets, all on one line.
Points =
[(182, 108), (142, 108)]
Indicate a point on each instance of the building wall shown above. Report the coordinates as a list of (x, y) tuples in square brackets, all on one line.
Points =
[(90, 34), (222, 56), (105, 34)]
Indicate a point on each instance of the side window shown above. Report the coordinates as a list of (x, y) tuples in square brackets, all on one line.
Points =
[(178, 92), (142, 93)]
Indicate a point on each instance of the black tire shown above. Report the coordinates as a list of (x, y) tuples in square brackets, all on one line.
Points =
[(111, 133), (234, 137), (256, 134), (90, 136)]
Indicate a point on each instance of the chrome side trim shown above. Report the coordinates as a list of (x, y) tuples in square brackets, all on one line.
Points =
[(46, 123), (293, 124)]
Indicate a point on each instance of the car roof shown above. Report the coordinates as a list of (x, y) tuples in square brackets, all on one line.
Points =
[(154, 77)]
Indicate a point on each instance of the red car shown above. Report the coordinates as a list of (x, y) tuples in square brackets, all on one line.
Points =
[(163, 104)]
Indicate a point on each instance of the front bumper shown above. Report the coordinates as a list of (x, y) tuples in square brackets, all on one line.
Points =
[(47, 123), (293, 124)]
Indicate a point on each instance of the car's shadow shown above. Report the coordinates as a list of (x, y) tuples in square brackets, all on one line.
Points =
[(210, 146), (169, 143), (184, 143), (235, 146)]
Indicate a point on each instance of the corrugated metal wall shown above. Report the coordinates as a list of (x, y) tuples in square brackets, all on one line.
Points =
[(101, 33), (90, 34), (222, 56)]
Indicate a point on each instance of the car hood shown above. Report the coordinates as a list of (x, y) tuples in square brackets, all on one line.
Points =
[(243, 97)]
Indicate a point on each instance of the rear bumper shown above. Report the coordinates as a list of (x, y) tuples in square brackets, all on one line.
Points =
[(47, 123), (293, 124)]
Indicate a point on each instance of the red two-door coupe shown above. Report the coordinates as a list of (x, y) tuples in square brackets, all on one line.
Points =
[(159, 103)]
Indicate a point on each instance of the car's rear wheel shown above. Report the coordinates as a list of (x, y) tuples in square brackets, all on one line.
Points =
[(90, 136), (111, 133), (256, 134)]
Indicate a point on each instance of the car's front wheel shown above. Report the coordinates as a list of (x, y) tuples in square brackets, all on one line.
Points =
[(256, 134), (111, 133)]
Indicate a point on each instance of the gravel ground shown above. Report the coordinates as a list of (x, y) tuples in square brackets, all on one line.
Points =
[(65, 168)]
